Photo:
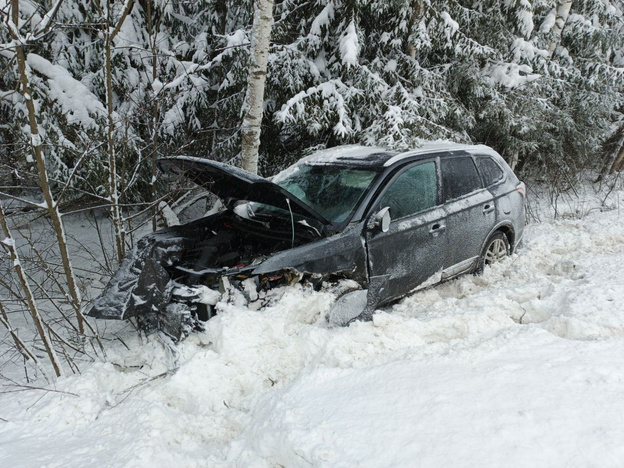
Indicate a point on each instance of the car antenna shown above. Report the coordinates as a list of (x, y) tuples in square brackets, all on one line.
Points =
[(292, 223)]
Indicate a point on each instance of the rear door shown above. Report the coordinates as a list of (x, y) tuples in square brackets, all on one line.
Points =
[(470, 213), (411, 251), (495, 179)]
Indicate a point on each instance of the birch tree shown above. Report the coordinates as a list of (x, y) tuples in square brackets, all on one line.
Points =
[(37, 148), (152, 34), (253, 108), (562, 13), (613, 152), (109, 35)]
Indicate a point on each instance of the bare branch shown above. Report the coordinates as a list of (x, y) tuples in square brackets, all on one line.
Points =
[(45, 25), (9, 245), (19, 343), (120, 23), (22, 200)]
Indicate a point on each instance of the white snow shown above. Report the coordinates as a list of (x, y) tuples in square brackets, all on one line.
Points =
[(549, 21), (525, 18), (35, 139), (510, 75), (519, 367), (79, 105), (323, 19), (157, 86), (168, 215), (391, 66), (8, 241), (525, 50), (349, 46), (452, 26), (333, 101)]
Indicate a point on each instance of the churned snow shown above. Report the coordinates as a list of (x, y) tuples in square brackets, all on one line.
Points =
[(519, 367)]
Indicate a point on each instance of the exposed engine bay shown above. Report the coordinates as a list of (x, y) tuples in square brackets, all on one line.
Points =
[(183, 270)]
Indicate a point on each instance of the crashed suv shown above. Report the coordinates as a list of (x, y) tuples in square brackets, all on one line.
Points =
[(387, 222)]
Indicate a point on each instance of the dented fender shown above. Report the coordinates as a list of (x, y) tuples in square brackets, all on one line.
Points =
[(340, 254)]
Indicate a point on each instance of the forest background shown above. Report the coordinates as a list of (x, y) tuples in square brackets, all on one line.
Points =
[(542, 82)]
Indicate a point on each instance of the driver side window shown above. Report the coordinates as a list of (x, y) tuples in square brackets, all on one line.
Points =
[(414, 190)]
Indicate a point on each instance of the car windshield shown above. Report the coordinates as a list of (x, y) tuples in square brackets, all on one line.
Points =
[(331, 191)]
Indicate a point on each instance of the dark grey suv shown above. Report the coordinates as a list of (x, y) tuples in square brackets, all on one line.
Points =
[(389, 222)]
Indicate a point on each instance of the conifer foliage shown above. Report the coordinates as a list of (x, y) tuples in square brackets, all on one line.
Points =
[(541, 81)]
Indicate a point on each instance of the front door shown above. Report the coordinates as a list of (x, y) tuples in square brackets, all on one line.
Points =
[(411, 252)]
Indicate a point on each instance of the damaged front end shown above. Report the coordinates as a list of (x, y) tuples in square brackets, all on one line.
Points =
[(173, 278), (293, 228)]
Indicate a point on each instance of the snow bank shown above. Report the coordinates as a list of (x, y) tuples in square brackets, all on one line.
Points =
[(519, 367)]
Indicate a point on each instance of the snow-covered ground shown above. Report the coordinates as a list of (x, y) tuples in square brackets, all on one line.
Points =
[(520, 367)]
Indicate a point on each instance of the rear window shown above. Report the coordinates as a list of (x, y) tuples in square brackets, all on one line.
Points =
[(459, 177), (491, 173)]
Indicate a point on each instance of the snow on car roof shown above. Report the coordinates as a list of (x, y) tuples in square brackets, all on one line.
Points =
[(377, 156), (349, 154)]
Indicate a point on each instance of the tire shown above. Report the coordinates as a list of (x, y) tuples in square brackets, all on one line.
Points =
[(496, 248)]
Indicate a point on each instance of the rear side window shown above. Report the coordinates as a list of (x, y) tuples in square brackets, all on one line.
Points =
[(414, 190), (459, 177), (491, 173)]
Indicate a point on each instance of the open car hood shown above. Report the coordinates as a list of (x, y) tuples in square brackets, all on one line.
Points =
[(233, 183)]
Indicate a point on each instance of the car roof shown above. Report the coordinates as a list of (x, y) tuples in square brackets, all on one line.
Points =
[(371, 156), (356, 155)]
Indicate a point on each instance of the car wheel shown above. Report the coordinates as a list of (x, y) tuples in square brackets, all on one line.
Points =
[(496, 248)]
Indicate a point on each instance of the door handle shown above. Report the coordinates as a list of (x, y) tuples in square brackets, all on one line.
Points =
[(488, 208), (437, 228)]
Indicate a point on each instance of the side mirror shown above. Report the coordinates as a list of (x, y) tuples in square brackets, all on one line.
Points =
[(380, 220)]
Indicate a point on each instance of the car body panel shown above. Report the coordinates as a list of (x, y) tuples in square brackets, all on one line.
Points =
[(407, 255), (469, 219), (341, 254)]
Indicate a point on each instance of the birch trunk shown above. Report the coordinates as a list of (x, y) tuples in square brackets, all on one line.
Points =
[(152, 32), (617, 164), (110, 145), (9, 244), (51, 205), (253, 106), (417, 12), (563, 11), (613, 154), (118, 222)]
